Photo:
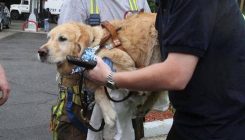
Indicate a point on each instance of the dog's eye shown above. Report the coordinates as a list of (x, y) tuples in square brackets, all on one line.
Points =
[(61, 39)]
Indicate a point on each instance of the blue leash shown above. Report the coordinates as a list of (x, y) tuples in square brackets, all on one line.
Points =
[(69, 106), (74, 120), (109, 63)]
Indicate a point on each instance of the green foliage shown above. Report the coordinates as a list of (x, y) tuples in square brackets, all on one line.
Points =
[(152, 5)]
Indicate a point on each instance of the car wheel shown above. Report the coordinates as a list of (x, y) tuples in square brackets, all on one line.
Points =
[(15, 15)]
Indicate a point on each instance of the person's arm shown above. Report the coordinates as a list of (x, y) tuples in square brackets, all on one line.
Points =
[(4, 86), (172, 74)]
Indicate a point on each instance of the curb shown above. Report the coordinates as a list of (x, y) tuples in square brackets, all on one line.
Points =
[(157, 128)]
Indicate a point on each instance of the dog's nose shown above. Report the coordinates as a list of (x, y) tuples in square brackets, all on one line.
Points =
[(42, 52)]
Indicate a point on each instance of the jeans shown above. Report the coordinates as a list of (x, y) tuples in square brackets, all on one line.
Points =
[(46, 25)]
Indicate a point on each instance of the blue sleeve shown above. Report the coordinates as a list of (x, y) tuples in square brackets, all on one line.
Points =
[(189, 26)]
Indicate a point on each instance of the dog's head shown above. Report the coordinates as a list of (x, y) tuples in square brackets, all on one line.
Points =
[(67, 39)]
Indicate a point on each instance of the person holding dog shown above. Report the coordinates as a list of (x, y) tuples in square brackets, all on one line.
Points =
[(203, 49), (93, 12), (4, 86)]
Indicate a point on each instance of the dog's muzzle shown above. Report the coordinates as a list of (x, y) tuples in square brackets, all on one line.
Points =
[(43, 53)]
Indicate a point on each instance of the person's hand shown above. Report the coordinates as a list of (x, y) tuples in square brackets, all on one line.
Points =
[(100, 72), (4, 87)]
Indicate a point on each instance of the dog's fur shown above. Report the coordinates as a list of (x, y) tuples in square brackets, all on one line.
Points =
[(137, 35)]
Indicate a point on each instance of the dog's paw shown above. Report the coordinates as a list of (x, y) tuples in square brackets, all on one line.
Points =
[(110, 117), (109, 133)]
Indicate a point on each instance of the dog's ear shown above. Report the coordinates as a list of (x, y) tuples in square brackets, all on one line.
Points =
[(83, 38), (98, 34), (89, 37)]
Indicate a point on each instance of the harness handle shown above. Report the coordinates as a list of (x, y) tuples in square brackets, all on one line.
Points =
[(112, 33)]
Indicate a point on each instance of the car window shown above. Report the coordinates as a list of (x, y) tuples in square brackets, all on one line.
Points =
[(25, 3)]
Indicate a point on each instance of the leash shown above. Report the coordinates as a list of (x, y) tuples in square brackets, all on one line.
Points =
[(110, 64), (74, 120), (116, 101)]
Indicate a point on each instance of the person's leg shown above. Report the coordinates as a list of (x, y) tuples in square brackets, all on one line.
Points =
[(48, 26), (45, 25), (95, 121), (125, 109)]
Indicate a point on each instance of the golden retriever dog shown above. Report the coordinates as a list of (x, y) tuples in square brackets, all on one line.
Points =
[(139, 48)]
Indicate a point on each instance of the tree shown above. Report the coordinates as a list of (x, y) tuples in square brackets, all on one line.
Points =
[(152, 4)]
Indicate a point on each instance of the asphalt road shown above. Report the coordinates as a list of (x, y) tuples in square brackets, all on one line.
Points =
[(33, 88)]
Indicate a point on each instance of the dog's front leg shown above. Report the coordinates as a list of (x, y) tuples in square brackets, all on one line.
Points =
[(108, 111)]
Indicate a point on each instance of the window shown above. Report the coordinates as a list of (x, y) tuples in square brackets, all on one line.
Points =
[(26, 2)]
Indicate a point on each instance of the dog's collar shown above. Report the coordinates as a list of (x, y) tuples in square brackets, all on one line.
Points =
[(68, 76), (60, 77)]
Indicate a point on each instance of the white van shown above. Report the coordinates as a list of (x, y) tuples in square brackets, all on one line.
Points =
[(16, 10), (20, 9)]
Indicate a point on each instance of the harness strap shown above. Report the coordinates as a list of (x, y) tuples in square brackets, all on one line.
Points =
[(68, 97), (74, 120), (113, 33), (76, 97), (106, 38), (57, 111), (115, 40)]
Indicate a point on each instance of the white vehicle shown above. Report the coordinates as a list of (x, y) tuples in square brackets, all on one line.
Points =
[(20, 9), (16, 10), (54, 7)]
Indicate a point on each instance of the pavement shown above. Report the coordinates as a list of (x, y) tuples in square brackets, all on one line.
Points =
[(33, 87), (26, 114)]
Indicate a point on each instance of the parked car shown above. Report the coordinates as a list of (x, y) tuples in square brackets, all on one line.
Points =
[(4, 18)]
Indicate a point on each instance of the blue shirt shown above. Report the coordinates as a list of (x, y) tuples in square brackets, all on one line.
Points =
[(212, 106)]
